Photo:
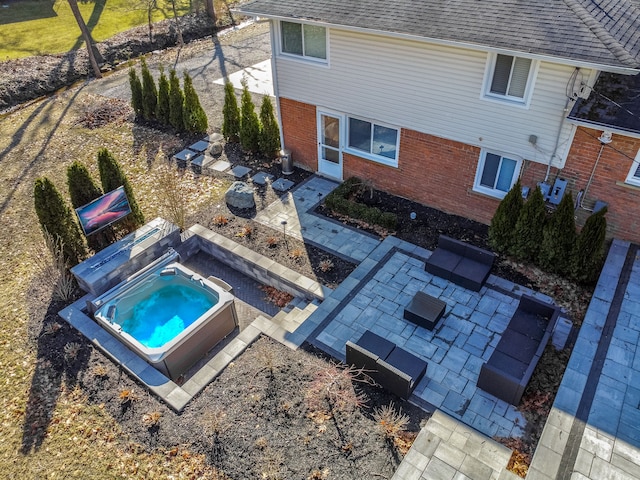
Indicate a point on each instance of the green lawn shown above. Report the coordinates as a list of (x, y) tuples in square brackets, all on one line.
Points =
[(35, 27)]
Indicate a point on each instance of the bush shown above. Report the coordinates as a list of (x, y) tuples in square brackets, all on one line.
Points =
[(136, 92), (57, 220), (162, 112), (337, 201), (527, 236), (231, 114), (82, 188), (176, 102), (149, 93), (503, 223), (112, 177), (195, 120), (588, 254), (269, 140), (249, 123), (559, 238)]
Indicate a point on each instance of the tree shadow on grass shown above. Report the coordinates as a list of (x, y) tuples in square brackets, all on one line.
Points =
[(39, 113), (62, 354)]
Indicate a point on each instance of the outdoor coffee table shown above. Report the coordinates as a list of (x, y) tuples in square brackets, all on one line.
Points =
[(424, 310)]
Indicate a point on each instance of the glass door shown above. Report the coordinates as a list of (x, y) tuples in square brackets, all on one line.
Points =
[(329, 145)]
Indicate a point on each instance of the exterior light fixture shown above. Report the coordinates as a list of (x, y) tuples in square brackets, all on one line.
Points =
[(605, 138)]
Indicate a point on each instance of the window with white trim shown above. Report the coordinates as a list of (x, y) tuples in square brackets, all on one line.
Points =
[(373, 141), (509, 78), (634, 174), (303, 40), (496, 174)]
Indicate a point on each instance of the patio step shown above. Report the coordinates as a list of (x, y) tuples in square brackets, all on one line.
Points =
[(290, 320)]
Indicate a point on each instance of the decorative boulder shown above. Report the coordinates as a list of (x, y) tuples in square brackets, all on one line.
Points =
[(240, 195), (216, 149)]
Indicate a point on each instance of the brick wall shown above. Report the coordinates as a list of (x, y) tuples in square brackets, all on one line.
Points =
[(300, 132), (623, 217), (432, 170), (440, 173)]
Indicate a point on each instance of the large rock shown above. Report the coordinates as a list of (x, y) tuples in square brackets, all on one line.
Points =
[(240, 195), (216, 149)]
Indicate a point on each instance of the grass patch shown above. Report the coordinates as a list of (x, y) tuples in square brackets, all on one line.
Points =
[(37, 27)]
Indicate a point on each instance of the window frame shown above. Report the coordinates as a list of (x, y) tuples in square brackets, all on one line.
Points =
[(632, 178), (490, 69), (303, 57), (369, 155), (493, 192)]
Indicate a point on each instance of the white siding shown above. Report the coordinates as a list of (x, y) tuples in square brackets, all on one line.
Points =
[(431, 89)]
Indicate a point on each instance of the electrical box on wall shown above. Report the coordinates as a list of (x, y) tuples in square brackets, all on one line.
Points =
[(557, 192)]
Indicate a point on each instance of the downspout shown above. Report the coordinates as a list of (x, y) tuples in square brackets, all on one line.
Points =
[(574, 75), (557, 144), (274, 78), (605, 139)]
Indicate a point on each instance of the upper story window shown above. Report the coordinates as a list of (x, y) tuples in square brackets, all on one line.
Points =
[(308, 41), (634, 174), (496, 174), (375, 142), (509, 78)]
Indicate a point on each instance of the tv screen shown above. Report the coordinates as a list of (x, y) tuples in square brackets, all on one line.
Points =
[(103, 211)]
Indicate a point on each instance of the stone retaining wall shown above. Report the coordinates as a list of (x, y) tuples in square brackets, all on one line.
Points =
[(250, 263)]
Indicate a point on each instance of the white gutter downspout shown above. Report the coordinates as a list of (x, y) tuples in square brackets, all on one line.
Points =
[(555, 148), (274, 78)]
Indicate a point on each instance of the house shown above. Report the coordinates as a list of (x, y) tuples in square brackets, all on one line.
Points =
[(448, 102)]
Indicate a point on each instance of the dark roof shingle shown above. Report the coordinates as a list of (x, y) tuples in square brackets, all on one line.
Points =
[(605, 32)]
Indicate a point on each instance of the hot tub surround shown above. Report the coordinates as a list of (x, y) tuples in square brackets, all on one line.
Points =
[(177, 354)]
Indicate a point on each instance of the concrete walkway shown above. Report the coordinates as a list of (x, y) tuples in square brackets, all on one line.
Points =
[(296, 209)]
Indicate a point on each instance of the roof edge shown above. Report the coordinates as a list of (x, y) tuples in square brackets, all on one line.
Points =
[(608, 40), (472, 46), (603, 126)]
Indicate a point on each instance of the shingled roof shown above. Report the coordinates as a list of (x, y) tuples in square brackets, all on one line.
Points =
[(601, 32), (614, 102)]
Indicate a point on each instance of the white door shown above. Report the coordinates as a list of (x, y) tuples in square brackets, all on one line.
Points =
[(329, 145)]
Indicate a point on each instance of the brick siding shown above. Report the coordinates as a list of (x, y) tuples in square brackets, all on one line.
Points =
[(440, 173)]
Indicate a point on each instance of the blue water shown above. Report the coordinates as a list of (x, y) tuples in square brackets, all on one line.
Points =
[(161, 316)]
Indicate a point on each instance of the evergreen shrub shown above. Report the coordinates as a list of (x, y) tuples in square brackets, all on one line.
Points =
[(136, 92), (112, 177), (58, 220), (162, 112), (231, 114), (195, 120), (176, 102), (559, 238), (527, 236), (502, 228), (149, 93), (588, 254), (249, 122), (269, 140)]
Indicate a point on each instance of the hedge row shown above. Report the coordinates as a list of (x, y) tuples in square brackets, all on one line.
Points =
[(339, 202)]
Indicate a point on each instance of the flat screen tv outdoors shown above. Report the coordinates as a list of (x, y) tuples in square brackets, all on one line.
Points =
[(103, 211)]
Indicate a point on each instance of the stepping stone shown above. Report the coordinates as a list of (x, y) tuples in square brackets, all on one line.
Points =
[(282, 184), (240, 171), (262, 178), (220, 166), (214, 137), (200, 146), (201, 162), (184, 156)]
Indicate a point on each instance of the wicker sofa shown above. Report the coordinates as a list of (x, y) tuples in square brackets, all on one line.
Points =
[(509, 369), (395, 369)]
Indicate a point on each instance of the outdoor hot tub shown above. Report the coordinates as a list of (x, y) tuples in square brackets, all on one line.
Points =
[(168, 315)]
